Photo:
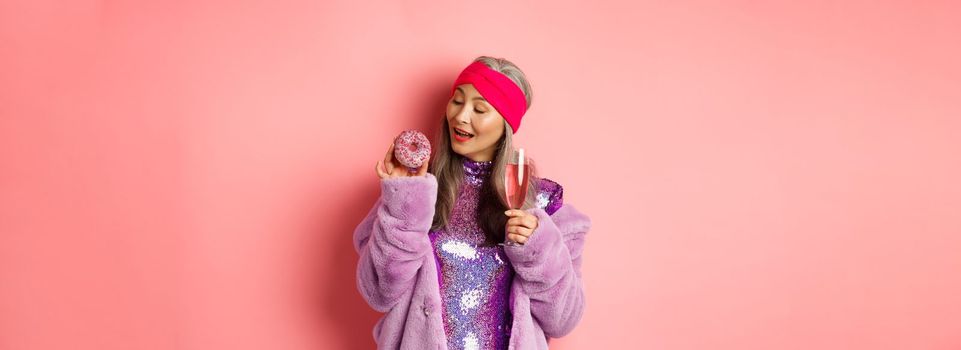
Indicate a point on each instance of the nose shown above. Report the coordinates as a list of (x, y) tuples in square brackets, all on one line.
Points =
[(463, 116)]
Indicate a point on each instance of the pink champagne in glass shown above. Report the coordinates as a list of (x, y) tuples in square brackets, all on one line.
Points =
[(516, 179), (518, 175)]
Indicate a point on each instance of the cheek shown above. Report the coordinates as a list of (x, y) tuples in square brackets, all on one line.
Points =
[(450, 110), (493, 127)]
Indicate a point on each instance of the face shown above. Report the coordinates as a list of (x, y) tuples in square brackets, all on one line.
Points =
[(469, 112)]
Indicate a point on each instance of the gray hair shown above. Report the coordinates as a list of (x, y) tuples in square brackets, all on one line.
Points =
[(448, 168)]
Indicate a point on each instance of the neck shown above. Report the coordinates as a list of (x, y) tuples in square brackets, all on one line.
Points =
[(476, 172)]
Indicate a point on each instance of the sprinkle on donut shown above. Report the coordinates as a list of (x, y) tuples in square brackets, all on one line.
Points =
[(411, 148)]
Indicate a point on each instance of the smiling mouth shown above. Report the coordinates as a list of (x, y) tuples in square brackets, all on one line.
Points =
[(463, 135)]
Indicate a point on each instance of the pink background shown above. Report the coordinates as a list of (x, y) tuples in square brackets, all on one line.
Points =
[(187, 174)]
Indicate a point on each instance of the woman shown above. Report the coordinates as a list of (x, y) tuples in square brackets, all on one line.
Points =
[(429, 253)]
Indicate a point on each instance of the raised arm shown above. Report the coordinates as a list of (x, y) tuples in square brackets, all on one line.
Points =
[(392, 240)]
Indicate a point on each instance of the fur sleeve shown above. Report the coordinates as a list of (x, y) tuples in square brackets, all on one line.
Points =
[(549, 268), (392, 240)]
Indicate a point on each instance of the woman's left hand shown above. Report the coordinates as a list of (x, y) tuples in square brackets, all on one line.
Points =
[(520, 226)]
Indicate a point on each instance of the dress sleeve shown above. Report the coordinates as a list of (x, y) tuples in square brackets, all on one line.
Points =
[(550, 196)]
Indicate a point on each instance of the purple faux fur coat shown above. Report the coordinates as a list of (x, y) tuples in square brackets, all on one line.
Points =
[(397, 273)]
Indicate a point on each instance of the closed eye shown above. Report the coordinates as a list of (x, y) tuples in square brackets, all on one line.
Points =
[(460, 103)]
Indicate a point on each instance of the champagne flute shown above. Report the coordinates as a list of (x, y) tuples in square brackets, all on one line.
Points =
[(516, 180)]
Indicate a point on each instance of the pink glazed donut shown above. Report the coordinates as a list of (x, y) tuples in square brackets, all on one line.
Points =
[(411, 148)]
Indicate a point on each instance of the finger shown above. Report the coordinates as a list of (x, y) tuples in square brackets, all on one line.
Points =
[(377, 167), (523, 231), (520, 230), (388, 159), (530, 221), (522, 221), (517, 238), (517, 221), (512, 212), (387, 155)]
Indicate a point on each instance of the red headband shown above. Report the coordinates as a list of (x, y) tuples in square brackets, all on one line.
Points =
[(499, 90)]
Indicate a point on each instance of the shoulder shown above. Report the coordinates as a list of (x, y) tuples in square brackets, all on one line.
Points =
[(550, 195)]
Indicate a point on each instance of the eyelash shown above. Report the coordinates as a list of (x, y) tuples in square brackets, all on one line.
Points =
[(460, 103)]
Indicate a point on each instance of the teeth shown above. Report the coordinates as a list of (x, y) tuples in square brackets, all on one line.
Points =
[(463, 134)]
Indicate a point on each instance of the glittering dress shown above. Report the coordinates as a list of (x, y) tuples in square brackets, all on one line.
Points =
[(475, 279)]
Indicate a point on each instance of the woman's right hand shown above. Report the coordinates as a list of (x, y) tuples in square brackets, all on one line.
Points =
[(390, 167)]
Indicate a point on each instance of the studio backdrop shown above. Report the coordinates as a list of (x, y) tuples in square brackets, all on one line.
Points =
[(759, 175)]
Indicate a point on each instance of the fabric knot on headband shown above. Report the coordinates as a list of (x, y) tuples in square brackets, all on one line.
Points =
[(499, 90)]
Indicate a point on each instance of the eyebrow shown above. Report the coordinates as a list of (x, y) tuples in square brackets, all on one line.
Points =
[(476, 98)]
